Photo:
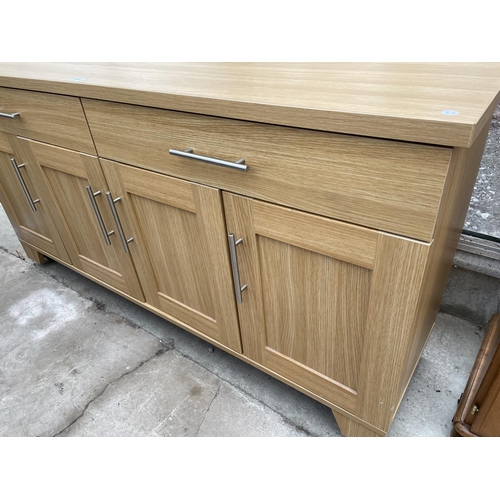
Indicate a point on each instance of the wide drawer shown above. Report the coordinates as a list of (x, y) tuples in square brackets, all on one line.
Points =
[(48, 118), (386, 185)]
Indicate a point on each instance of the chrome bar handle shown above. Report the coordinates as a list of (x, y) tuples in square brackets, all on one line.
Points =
[(9, 115), (234, 264), (97, 212), (31, 201), (112, 202), (188, 153)]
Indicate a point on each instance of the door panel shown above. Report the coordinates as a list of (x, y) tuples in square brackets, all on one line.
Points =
[(171, 236), (34, 226), (309, 281), (179, 248), (318, 313), (67, 174), (328, 305)]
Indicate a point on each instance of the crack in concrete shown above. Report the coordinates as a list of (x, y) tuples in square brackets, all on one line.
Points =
[(208, 408), (142, 363), (167, 345), (297, 427), (285, 418), (17, 254), (6, 250)]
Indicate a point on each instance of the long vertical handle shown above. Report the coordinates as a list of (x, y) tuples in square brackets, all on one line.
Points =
[(234, 264), (98, 216), (112, 202), (31, 201)]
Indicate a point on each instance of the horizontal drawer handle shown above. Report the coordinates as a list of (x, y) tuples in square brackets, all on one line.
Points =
[(188, 153), (9, 115)]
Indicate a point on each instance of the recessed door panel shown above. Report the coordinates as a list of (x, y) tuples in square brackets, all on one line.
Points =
[(315, 309), (29, 202), (81, 210), (180, 249)]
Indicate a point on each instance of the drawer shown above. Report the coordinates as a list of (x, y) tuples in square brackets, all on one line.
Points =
[(48, 118), (386, 185)]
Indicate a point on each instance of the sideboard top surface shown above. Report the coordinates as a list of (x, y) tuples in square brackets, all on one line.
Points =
[(435, 103)]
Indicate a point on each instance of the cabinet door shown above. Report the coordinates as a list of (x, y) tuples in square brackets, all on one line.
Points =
[(28, 205), (179, 249), (84, 217), (328, 305)]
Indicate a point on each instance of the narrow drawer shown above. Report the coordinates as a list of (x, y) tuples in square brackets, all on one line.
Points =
[(386, 185), (48, 118)]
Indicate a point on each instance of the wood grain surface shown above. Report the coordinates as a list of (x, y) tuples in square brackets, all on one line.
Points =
[(339, 310), (65, 174), (395, 288), (45, 117), (458, 189), (36, 227), (391, 100), (179, 249), (385, 185), (486, 422), (346, 242), (304, 312)]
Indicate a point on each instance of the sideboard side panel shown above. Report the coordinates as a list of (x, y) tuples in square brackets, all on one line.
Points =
[(396, 283), (460, 182)]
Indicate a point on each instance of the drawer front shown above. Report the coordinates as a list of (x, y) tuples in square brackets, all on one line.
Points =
[(386, 185), (48, 118)]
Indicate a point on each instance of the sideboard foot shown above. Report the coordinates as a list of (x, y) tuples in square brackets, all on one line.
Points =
[(343, 422), (33, 254), (350, 428)]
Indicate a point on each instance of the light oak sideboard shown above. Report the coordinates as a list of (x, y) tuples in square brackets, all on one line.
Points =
[(302, 217)]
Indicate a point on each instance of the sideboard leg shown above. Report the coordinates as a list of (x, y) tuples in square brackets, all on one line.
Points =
[(33, 254), (358, 430), (343, 422), (350, 428)]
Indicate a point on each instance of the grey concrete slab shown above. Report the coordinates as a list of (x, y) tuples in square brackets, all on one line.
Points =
[(235, 414), (304, 412), (477, 263), (8, 238), (168, 396), (432, 396), (70, 368), (57, 351), (471, 296)]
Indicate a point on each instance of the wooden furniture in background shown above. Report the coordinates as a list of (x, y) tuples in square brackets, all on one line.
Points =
[(302, 217), (478, 413)]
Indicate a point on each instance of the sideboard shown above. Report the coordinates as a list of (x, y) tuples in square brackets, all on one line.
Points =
[(302, 217)]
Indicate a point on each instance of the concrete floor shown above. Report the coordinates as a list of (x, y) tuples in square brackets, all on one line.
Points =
[(78, 360), (483, 215)]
